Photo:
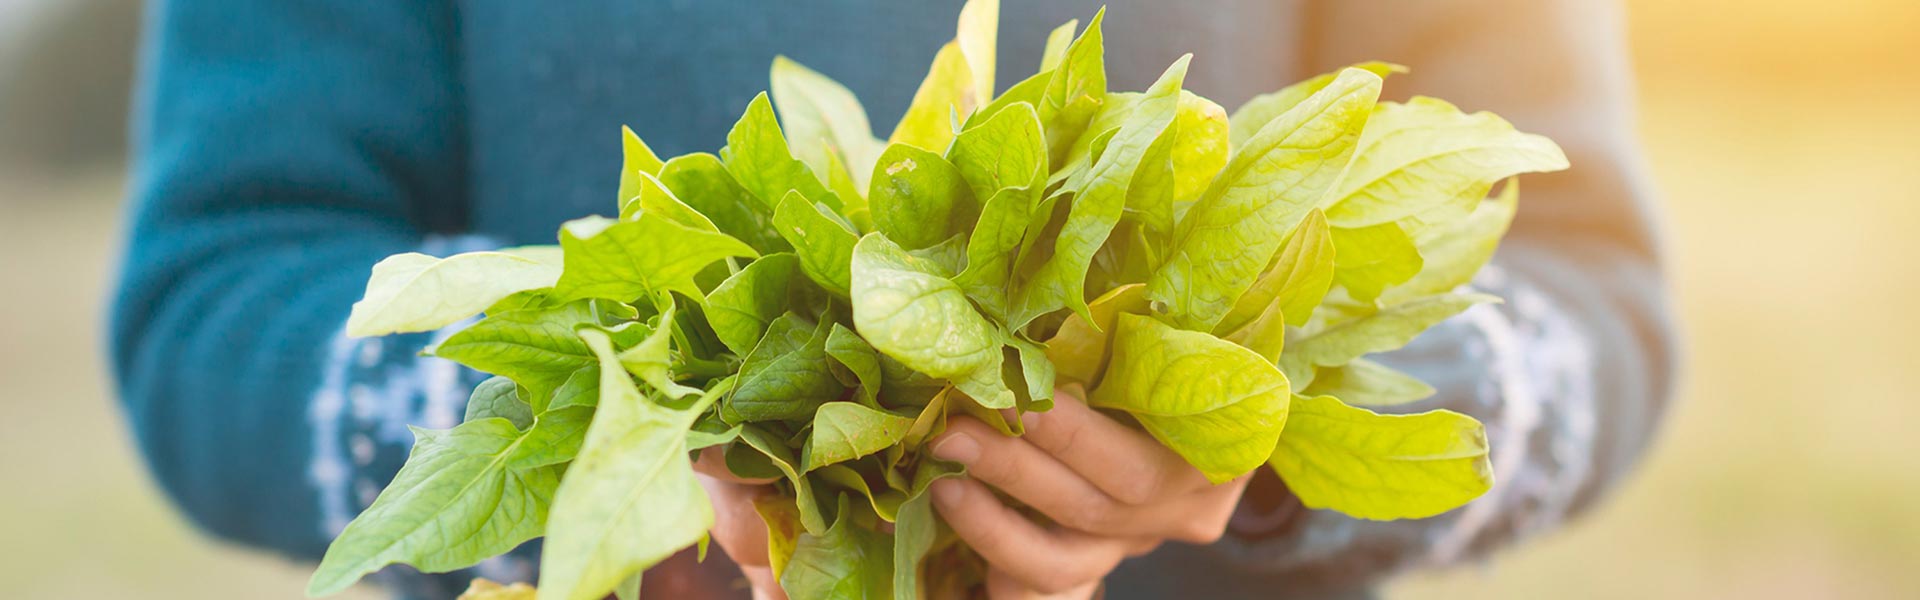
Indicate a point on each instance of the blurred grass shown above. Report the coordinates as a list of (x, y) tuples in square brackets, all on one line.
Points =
[(1783, 139)]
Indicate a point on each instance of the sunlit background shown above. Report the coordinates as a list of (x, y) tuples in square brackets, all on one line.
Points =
[(1785, 137)]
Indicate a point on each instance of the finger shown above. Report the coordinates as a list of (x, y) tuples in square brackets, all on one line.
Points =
[(1001, 586), (1127, 464), (713, 463), (1047, 561), (1027, 473), (737, 527), (764, 585)]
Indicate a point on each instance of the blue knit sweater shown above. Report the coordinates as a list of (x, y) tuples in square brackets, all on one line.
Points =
[(284, 147)]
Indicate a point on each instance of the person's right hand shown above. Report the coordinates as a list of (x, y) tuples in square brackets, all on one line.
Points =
[(736, 524)]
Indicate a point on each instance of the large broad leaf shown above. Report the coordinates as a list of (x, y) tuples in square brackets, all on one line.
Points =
[(786, 376), (918, 197), (1451, 256), (1076, 90), (415, 292), (465, 495), (757, 156), (1381, 467), (844, 431), (740, 308), (1367, 383), (1387, 329), (1060, 281), (703, 183), (1218, 405), (1426, 153), (1005, 151), (624, 261), (1201, 149), (1371, 259), (947, 92), (499, 397), (1230, 234), (907, 310), (825, 123), (536, 347), (1296, 282), (858, 358), (846, 562), (1257, 112), (630, 500), (823, 243), (992, 247)]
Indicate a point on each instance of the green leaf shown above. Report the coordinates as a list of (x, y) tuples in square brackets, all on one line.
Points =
[(844, 431), (914, 530), (1080, 349), (636, 159), (977, 34), (786, 376), (630, 499), (946, 92), (499, 397), (740, 308), (1231, 233), (824, 245), (1036, 372), (917, 197), (853, 353), (1060, 281), (415, 292), (1367, 383), (703, 183), (1387, 329), (1424, 153), (824, 121), (582, 388), (768, 445), (1381, 467), (846, 562), (652, 197), (1452, 255), (623, 261), (991, 249), (1257, 112), (465, 494), (1076, 90), (535, 347), (652, 358), (1371, 259), (1005, 151), (907, 310), (757, 156), (1056, 48), (1218, 405), (1296, 282), (1201, 149)]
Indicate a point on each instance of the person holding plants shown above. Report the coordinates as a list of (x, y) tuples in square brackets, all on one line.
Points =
[(285, 147)]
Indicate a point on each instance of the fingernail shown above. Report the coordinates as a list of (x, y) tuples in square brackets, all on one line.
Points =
[(958, 447), (948, 492)]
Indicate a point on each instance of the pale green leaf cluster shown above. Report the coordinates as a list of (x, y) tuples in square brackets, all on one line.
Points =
[(813, 301)]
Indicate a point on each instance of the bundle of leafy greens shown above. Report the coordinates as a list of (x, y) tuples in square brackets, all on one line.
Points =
[(815, 302)]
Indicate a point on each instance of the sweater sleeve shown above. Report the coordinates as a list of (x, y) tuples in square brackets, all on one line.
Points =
[(1572, 373), (281, 149)]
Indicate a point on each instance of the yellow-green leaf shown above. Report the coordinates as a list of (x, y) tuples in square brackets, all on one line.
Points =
[(1426, 153), (415, 292), (1371, 259), (1218, 405), (946, 92), (623, 261), (823, 120), (1367, 383), (1381, 467), (1250, 117)]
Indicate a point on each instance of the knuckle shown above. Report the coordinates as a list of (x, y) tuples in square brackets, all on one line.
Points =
[(1093, 516), (1139, 487)]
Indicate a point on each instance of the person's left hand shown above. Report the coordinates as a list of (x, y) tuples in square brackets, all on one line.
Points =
[(1112, 492)]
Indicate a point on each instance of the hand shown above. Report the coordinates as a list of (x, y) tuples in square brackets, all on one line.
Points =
[(737, 526), (1112, 492)]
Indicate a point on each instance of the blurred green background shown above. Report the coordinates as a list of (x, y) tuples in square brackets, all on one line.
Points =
[(1784, 137)]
